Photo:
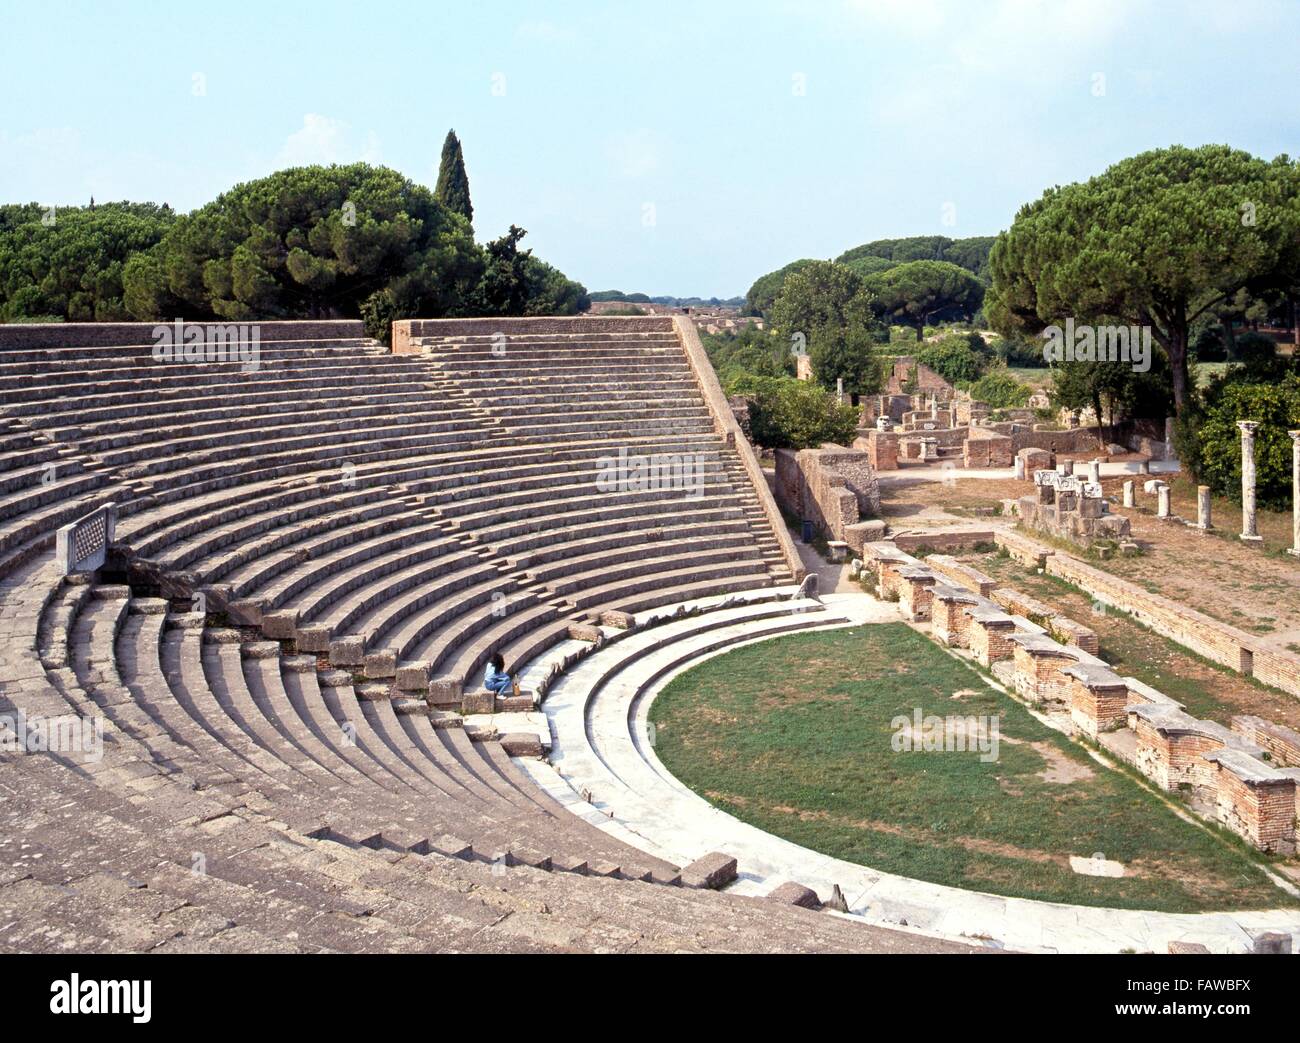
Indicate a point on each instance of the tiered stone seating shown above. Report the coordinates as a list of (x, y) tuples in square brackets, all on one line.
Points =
[(301, 541)]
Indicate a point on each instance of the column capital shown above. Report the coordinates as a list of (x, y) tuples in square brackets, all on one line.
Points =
[(1295, 436), (1248, 426)]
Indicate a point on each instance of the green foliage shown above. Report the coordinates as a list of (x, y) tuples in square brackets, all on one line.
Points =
[(849, 354), (1253, 349), (955, 356), (1275, 403), (916, 292), (748, 352), (309, 242), (1159, 239), (821, 297), (452, 189), (763, 294), (1019, 351), (71, 264), (971, 254), (1000, 390), (1113, 389), (515, 282), (785, 413)]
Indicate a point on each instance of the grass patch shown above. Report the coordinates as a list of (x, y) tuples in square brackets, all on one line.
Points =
[(794, 736)]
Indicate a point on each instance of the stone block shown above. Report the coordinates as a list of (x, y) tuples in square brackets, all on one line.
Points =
[(481, 701), (521, 744), (584, 632), (1272, 943), (381, 663), (791, 893), (281, 625), (444, 690), (412, 676), (712, 871), (616, 618), (348, 651), (1187, 949)]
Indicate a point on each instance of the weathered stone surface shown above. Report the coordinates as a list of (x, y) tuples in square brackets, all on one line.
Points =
[(713, 871), (480, 701), (521, 744), (1272, 942), (791, 893), (1187, 949)]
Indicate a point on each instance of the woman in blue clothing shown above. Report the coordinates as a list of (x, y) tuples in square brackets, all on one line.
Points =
[(495, 679)]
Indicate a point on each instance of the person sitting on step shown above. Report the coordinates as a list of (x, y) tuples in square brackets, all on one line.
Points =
[(495, 678)]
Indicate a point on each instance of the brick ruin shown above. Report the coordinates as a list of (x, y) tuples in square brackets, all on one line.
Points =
[(832, 487), (1243, 777)]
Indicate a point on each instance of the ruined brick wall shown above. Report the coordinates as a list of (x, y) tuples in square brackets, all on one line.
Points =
[(927, 380), (1282, 743), (1152, 755), (1188, 627), (1263, 813), (1279, 669), (1039, 678), (832, 487), (962, 574), (1097, 709), (989, 643), (944, 540), (985, 448), (951, 624), (915, 597), (881, 448)]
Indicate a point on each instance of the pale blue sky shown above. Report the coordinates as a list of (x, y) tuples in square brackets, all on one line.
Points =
[(758, 131)]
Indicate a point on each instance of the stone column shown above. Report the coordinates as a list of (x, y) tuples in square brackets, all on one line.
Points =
[(839, 390), (1020, 469), (1094, 472), (1248, 531), (1129, 501), (1295, 490), (1162, 501), (1169, 438), (1203, 507)]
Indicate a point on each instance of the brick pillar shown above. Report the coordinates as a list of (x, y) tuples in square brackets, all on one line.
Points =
[(1295, 487), (1248, 531), (1203, 507)]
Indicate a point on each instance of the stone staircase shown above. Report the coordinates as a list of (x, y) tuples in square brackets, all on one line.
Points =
[(313, 557)]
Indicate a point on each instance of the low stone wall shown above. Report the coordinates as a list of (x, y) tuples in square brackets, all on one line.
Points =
[(29, 336), (1220, 642), (407, 331), (1281, 743), (944, 540), (1226, 769)]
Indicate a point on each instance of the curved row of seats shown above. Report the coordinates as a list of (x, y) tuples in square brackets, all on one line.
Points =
[(199, 827), (320, 503)]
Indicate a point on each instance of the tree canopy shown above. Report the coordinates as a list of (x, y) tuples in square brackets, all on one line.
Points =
[(308, 242), (763, 294), (67, 263), (971, 254), (915, 292), (452, 189), (1157, 240)]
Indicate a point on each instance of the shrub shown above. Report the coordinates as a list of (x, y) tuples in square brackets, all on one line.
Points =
[(1000, 390), (955, 357), (1215, 439), (795, 414)]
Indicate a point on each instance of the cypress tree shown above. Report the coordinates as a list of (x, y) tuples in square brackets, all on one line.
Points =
[(452, 190)]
